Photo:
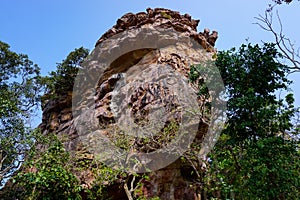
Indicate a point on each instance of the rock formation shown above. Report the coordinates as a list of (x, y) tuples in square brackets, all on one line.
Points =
[(163, 18), (168, 182)]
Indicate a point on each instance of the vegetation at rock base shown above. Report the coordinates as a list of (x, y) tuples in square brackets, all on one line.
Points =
[(46, 173), (256, 157), (21, 87)]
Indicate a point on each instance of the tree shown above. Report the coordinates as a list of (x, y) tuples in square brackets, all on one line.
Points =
[(284, 44), (253, 158), (252, 76), (282, 1), (47, 173), (47, 170), (62, 80), (19, 94)]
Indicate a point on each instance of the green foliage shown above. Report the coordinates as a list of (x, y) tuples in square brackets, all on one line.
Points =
[(263, 169), (47, 172), (19, 94), (252, 76), (61, 81), (206, 75), (165, 15), (106, 176), (253, 158), (195, 76)]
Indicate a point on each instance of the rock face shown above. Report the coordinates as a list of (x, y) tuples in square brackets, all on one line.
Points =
[(168, 182), (163, 18)]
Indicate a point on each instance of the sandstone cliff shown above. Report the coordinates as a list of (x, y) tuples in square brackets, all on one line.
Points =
[(62, 117)]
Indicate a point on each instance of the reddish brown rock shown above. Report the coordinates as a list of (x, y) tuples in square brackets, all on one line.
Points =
[(161, 17), (171, 181)]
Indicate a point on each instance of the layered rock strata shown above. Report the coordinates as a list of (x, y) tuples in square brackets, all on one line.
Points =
[(169, 182), (163, 18)]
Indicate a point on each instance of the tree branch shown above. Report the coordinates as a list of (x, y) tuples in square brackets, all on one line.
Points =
[(284, 44), (128, 193)]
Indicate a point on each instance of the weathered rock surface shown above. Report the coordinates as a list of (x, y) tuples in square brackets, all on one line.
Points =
[(169, 182), (163, 18)]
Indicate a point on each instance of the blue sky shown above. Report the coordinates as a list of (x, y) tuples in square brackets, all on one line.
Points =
[(48, 30)]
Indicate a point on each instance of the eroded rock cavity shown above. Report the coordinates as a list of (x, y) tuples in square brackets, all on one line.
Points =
[(144, 96)]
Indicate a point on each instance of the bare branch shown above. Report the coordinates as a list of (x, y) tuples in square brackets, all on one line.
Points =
[(128, 193), (284, 44), (131, 185)]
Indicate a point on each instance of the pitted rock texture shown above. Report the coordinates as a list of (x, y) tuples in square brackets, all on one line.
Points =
[(163, 18), (169, 182)]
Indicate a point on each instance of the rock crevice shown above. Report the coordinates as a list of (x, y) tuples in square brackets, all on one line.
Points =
[(167, 183)]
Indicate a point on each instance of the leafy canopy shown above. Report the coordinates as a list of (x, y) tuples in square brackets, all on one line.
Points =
[(19, 94), (62, 80), (254, 157), (252, 76)]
